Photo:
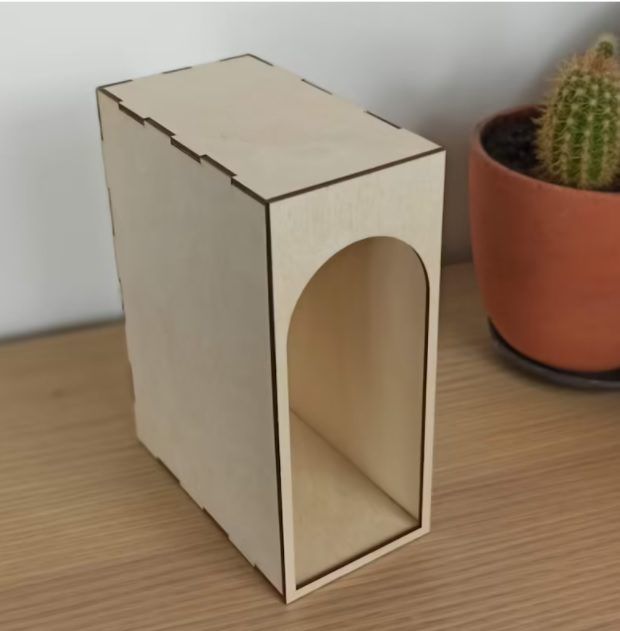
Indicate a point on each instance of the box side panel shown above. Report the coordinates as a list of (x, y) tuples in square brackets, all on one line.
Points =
[(403, 202), (192, 257)]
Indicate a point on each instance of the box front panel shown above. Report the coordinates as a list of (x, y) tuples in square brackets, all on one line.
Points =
[(192, 256), (355, 355)]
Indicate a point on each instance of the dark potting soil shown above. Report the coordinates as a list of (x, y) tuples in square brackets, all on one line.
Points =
[(510, 141)]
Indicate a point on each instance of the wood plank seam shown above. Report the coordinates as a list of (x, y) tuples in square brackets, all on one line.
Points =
[(177, 70), (99, 117), (246, 55), (219, 166), (159, 126), (404, 533), (208, 514), (123, 108), (274, 391), (185, 149), (111, 95), (111, 212), (318, 87), (351, 176), (173, 141), (131, 384), (357, 557), (383, 120), (111, 85), (248, 191), (424, 388), (203, 509), (235, 182)]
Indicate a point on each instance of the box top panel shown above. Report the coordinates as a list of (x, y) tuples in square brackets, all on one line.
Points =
[(273, 132)]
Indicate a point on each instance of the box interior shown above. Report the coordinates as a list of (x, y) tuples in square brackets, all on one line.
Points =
[(356, 366)]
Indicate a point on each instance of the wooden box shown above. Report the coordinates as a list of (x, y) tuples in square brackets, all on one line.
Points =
[(279, 255)]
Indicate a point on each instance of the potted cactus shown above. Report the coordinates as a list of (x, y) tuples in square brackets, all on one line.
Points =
[(545, 222)]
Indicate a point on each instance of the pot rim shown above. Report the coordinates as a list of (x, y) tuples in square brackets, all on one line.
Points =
[(479, 148)]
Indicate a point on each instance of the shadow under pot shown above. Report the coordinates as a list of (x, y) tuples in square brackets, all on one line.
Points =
[(547, 257)]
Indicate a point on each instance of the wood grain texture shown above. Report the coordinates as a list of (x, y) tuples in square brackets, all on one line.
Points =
[(307, 231), (273, 132), (191, 255), (210, 276), (339, 511), (356, 377), (95, 535)]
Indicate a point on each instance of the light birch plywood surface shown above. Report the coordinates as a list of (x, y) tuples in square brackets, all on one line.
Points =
[(94, 534), (314, 237), (271, 131), (343, 511), (191, 252)]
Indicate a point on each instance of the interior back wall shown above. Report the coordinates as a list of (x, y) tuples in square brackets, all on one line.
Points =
[(435, 69)]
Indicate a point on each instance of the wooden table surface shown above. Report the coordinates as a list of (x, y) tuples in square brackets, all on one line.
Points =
[(94, 534)]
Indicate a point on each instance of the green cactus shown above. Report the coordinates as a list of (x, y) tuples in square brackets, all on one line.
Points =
[(578, 136)]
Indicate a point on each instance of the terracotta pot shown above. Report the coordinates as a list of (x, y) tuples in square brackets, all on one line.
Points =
[(547, 259)]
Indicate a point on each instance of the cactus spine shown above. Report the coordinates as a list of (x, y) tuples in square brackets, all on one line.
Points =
[(578, 138)]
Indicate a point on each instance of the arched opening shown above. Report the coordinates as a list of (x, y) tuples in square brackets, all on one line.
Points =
[(356, 378)]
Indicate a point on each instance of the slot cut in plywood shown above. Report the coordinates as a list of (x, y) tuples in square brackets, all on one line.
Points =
[(357, 403)]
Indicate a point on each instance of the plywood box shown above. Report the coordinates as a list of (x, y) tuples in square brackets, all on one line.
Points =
[(278, 251)]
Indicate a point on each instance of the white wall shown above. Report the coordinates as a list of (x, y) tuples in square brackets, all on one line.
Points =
[(435, 69)]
